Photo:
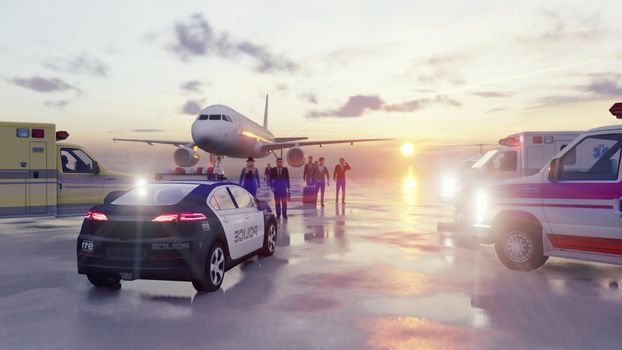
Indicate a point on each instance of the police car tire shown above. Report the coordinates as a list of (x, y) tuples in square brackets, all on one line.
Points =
[(269, 245), (104, 280), (531, 236), (205, 283)]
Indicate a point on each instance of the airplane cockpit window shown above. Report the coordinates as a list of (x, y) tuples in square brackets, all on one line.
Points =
[(227, 118), (214, 117), (204, 117)]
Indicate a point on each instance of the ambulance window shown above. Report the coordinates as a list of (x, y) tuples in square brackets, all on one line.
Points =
[(506, 161), (595, 158), (223, 199), (74, 160), (214, 117), (242, 197)]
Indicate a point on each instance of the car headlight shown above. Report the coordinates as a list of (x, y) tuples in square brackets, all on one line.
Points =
[(449, 186), (481, 206)]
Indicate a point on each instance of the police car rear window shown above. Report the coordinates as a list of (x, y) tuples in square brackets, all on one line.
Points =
[(155, 194)]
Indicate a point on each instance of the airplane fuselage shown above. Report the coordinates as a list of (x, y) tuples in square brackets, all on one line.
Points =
[(220, 130)]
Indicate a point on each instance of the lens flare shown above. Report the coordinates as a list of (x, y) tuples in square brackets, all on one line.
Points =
[(407, 149)]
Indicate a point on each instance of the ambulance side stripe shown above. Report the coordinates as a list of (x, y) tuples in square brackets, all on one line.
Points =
[(589, 244)]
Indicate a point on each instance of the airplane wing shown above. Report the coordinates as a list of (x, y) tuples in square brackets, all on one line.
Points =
[(152, 142), (290, 144), (287, 139)]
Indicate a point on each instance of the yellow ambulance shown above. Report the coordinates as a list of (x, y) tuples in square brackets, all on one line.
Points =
[(41, 176)]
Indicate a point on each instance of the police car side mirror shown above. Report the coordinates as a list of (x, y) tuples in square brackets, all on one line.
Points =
[(553, 167)]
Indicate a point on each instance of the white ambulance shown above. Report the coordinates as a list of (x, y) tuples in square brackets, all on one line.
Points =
[(523, 154), (41, 176), (570, 208)]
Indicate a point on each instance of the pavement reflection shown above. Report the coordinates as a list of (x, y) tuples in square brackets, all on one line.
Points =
[(373, 273)]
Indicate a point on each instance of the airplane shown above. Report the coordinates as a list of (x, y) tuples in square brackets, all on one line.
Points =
[(223, 132)]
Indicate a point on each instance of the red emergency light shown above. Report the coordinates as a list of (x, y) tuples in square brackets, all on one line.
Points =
[(37, 133), (510, 141), (61, 135), (616, 110)]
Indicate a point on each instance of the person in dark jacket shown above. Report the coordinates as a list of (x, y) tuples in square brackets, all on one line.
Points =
[(339, 176), (249, 177), (279, 182), (322, 178), (307, 172)]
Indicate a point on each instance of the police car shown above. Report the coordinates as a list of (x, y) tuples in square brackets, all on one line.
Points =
[(572, 208), (190, 231)]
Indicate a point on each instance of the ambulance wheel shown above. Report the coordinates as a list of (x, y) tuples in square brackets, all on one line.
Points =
[(104, 280), (214, 270), (519, 247), (269, 240)]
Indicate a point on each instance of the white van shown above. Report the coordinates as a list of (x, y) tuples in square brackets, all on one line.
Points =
[(571, 208)]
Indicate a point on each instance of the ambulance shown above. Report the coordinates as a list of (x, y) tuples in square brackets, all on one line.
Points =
[(40, 176), (522, 154), (571, 208)]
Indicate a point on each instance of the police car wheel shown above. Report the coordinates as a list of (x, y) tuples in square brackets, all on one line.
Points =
[(519, 247), (214, 271), (104, 280), (269, 240)]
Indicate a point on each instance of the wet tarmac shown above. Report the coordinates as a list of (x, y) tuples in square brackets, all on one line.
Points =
[(371, 274)]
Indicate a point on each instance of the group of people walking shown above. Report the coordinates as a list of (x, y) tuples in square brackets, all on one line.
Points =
[(315, 175)]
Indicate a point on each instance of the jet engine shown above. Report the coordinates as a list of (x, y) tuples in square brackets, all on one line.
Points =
[(185, 157), (295, 157)]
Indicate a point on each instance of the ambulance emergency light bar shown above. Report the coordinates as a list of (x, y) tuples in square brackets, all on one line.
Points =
[(61, 135), (616, 110), (511, 141)]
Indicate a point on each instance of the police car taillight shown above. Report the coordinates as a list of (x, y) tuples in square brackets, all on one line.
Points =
[(179, 217), (96, 216), (616, 110)]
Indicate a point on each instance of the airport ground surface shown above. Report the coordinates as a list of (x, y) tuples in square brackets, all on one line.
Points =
[(372, 274)]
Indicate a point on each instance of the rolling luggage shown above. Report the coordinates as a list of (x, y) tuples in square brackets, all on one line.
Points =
[(309, 195)]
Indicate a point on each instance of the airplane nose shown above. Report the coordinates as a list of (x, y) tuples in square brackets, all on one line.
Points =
[(212, 135)]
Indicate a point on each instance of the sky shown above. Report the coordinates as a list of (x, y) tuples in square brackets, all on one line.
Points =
[(432, 73)]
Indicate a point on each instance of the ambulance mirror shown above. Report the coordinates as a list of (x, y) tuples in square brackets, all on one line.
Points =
[(553, 166)]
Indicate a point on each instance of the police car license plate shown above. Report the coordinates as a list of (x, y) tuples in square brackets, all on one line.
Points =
[(127, 276)]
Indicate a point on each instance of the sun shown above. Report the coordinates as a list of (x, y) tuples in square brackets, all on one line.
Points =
[(407, 149)]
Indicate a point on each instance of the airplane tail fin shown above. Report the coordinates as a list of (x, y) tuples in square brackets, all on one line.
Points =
[(265, 114)]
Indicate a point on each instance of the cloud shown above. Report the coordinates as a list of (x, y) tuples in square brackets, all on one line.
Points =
[(146, 130), (604, 87), (80, 65), (491, 94), (196, 38), (44, 85), (192, 107), (566, 27), (308, 97), (358, 105), (58, 104), (439, 68), (192, 86)]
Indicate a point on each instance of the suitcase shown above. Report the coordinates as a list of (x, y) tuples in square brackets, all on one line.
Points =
[(309, 195)]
